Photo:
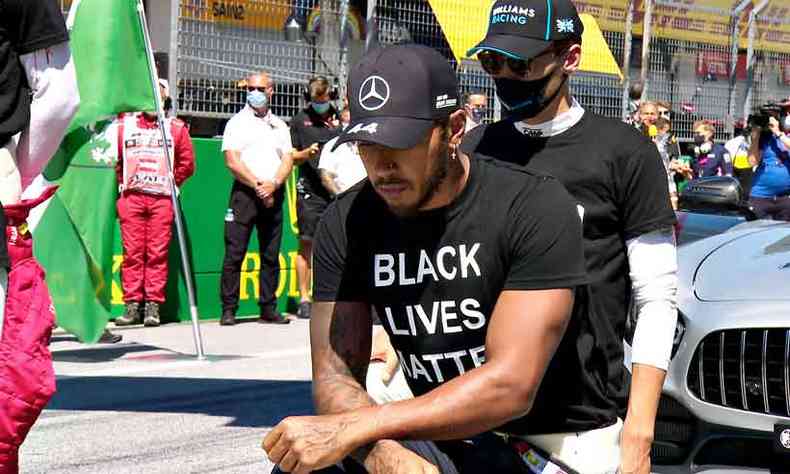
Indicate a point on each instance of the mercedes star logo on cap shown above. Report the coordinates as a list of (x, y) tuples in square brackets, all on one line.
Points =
[(374, 93)]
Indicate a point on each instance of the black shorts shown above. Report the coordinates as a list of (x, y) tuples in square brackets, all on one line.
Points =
[(309, 209)]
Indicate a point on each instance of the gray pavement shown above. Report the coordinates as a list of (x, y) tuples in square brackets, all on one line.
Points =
[(147, 405)]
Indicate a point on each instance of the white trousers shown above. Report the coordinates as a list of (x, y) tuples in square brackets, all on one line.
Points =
[(10, 180), (397, 390), (587, 452)]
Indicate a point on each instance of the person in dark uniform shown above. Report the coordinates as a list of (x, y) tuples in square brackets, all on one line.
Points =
[(474, 277), (710, 159), (530, 51), (311, 128)]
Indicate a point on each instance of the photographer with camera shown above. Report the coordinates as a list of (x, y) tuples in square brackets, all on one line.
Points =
[(770, 154)]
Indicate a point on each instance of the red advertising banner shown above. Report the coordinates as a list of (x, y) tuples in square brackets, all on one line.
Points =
[(716, 65)]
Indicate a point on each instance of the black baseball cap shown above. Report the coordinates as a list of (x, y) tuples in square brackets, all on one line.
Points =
[(395, 94), (522, 29)]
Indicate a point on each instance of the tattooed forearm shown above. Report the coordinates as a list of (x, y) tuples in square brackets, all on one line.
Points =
[(340, 336), (350, 339), (339, 395)]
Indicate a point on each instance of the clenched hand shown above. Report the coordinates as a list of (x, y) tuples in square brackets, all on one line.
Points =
[(303, 444)]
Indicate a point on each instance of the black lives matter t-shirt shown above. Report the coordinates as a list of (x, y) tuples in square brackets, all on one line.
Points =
[(307, 127), (25, 26), (617, 176), (434, 279)]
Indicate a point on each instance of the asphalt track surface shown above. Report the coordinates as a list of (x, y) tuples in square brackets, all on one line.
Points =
[(147, 405)]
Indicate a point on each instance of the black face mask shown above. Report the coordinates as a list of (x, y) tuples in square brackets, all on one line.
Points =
[(525, 99), (699, 139)]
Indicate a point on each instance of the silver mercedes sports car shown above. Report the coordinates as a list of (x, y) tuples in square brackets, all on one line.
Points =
[(726, 402)]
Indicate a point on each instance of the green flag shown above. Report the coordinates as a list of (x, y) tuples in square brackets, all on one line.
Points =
[(75, 234)]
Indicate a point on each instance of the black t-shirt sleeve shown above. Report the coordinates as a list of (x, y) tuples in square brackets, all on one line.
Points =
[(545, 240), (37, 24), (335, 277), (642, 191)]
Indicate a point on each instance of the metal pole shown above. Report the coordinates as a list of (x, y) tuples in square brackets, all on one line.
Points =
[(371, 29), (172, 72), (193, 312), (646, 36), (628, 38), (343, 70), (747, 103), (735, 18)]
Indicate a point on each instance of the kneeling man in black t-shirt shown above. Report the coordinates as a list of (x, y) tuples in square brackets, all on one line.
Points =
[(471, 265)]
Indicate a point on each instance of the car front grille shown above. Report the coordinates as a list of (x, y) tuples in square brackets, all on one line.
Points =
[(674, 433), (745, 369)]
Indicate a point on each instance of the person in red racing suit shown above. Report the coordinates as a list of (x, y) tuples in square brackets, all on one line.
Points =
[(145, 209)]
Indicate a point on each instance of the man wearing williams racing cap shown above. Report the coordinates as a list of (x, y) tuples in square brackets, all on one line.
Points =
[(465, 264), (530, 50)]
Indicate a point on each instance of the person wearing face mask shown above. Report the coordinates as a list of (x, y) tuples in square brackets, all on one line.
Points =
[(311, 128), (475, 105), (710, 159), (259, 155), (145, 209), (617, 177), (619, 182), (769, 153)]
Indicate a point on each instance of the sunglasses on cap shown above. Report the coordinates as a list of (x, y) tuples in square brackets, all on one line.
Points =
[(493, 62)]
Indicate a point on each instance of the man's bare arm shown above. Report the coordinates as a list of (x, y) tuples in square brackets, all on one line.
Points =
[(487, 397), (300, 156), (328, 180), (502, 389), (238, 169), (340, 337), (285, 168), (639, 428)]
